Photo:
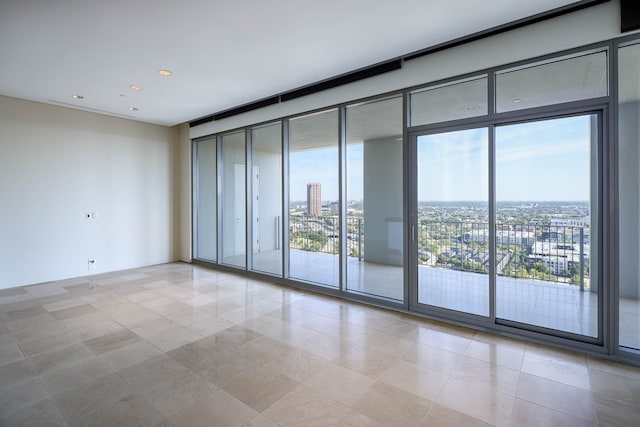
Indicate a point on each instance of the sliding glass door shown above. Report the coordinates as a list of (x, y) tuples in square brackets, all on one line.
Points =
[(453, 220), (546, 194)]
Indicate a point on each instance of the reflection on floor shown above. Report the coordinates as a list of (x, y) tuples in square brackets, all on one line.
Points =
[(182, 345)]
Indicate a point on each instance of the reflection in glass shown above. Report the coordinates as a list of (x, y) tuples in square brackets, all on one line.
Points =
[(458, 100), (453, 220), (234, 234), (629, 188), (266, 198), (205, 198), (314, 227), (544, 239), (374, 199), (550, 83)]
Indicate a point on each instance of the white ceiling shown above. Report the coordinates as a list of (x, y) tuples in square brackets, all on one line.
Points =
[(222, 53)]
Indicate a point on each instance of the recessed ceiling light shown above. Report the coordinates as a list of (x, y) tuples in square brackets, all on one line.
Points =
[(122, 95), (165, 73), (471, 108), (517, 100), (78, 96), (133, 108), (135, 87)]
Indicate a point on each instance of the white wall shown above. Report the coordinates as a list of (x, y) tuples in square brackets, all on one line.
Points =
[(56, 164), (590, 25)]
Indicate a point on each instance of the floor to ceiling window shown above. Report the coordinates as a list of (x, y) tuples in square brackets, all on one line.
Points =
[(374, 200), (453, 220), (266, 198), (485, 199), (205, 198), (545, 195), (234, 190), (629, 190), (314, 225)]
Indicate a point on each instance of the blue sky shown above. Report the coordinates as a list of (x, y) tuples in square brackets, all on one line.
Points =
[(540, 161)]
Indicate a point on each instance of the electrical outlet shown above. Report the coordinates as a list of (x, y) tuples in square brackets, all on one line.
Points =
[(91, 264)]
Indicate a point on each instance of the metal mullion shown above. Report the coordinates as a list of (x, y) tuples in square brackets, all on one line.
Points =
[(613, 206), (285, 198), (195, 198), (342, 192), (219, 179), (248, 217), (407, 184), (493, 255)]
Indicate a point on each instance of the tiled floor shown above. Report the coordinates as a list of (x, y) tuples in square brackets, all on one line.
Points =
[(183, 345)]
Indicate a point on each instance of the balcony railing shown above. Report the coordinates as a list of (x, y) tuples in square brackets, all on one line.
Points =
[(545, 252)]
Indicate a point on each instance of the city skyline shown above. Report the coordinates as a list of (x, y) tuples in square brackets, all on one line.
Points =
[(538, 161)]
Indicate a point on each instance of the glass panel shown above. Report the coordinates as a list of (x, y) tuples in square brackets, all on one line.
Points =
[(314, 229), (234, 234), (458, 100), (205, 200), (266, 198), (555, 82), (374, 199), (545, 190), (629, 188), (453, 220)]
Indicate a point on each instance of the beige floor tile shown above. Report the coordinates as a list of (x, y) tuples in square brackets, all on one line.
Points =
[(297, 364), (42, 413), (173, 338), (18, 395), (570, 370), (219, 409), (10, 352), (496, 354), (35, 327), (45, 290), (41, 345), (339, 383), (325, 346), (567, 399), (616, 398), (203, 354), (383, 343), (133, 410), (501, 379), (209, 325), (99, 328), (178, 392), (23, 313), (84, 320), (263, 349), (414, 379), (444, 340), (154, 327), (632, 372), (527, 414), (71, 375), (112, 341), (233, 337), (225, 373), (75, 311), (259, 421), (54, 359), (440, 416), (391, 406), (433, 358), (365, 361), (306, 407), (158, 370), (477, 400), (130, 355), (83, 400), (16, 372), (260, 387)]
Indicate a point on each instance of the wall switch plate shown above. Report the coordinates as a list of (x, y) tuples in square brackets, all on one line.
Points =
[(91, 264)]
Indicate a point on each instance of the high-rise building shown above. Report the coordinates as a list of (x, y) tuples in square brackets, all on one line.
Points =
[(314, 198)]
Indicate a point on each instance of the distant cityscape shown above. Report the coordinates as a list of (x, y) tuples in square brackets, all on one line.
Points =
[(548, 241)]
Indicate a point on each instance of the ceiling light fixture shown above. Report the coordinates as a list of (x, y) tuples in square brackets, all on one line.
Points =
[(133, 108), (517, 100), (472, 108), (78, 97), (135, 87), (165, 73)]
